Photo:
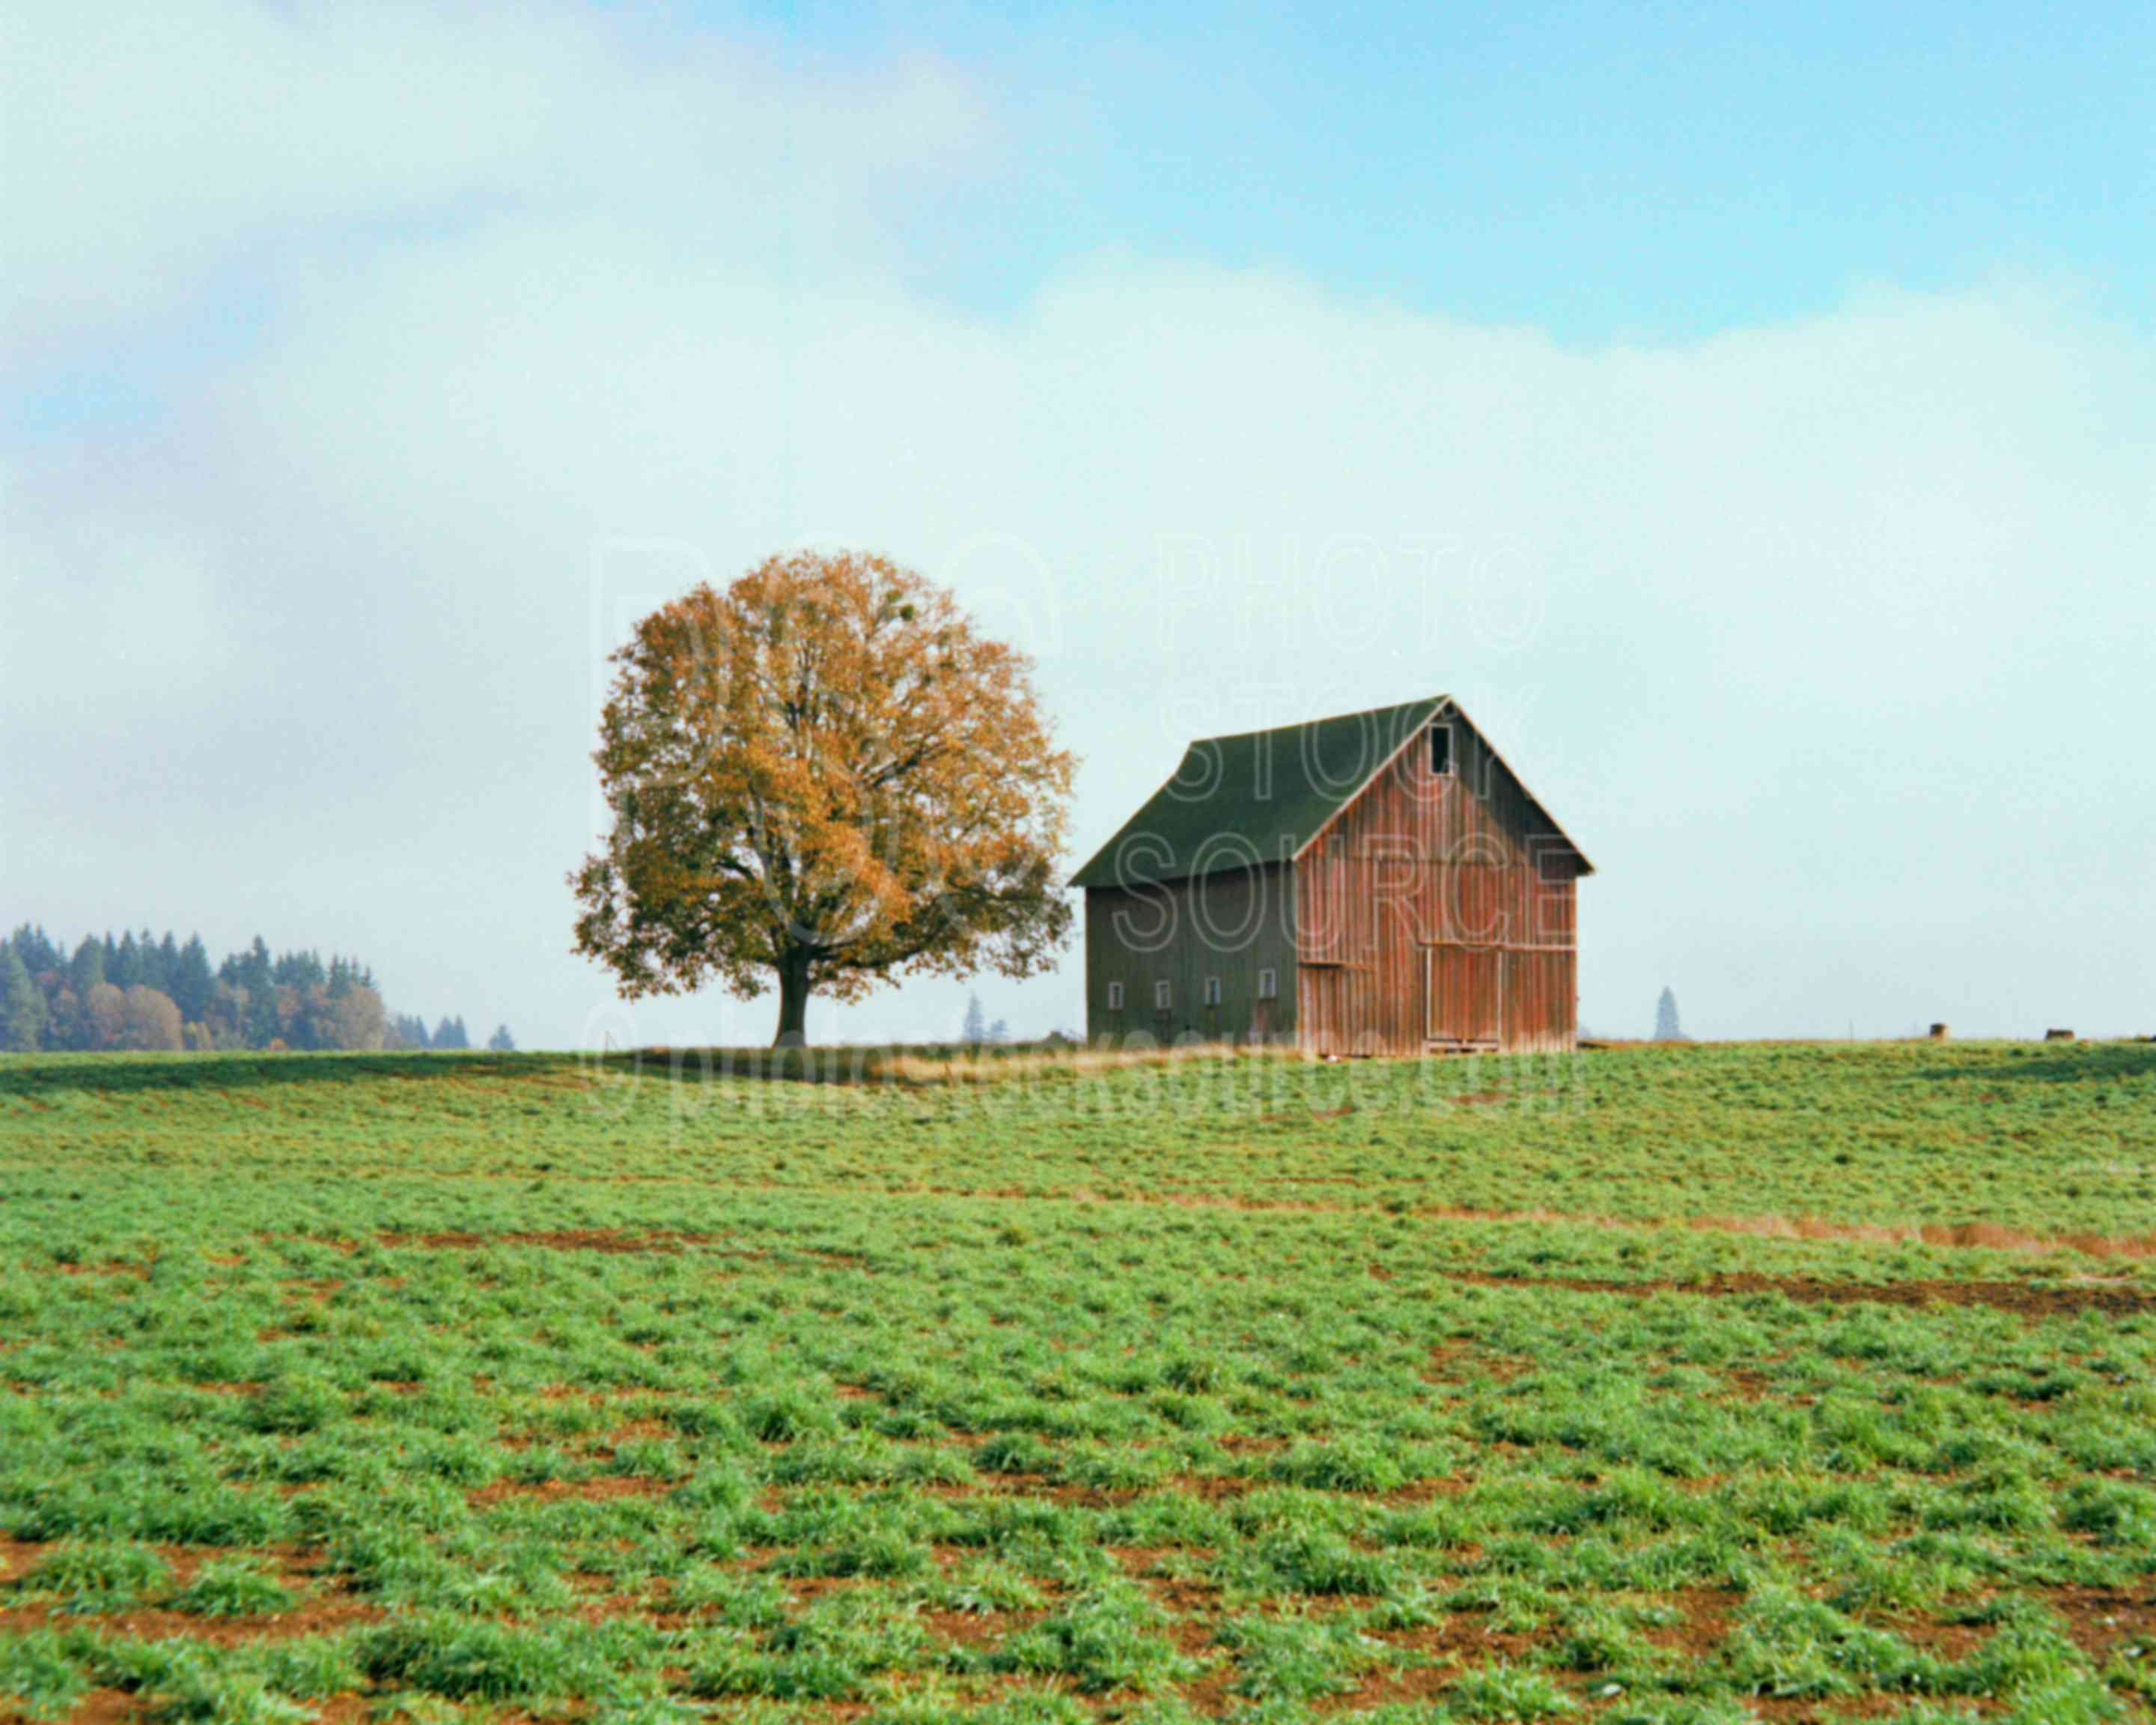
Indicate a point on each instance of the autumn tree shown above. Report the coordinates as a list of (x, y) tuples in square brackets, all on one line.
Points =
[(821, 778), (105, 1016), (148, 1019), (358, 1018)]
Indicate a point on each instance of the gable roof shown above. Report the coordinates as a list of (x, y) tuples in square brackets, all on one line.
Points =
[(1261, 796)]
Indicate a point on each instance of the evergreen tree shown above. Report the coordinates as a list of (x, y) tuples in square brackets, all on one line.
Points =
[(190, 981), (260, 1021), (1666, 1027), (22, 1004), (976, 1024), (299, 970), (161, 963), (250, 974), (37, 952), (250, 970), (86, 969), (502, 1042), (411, 1031), (450, 1033)]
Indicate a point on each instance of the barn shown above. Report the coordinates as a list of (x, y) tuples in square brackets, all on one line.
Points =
[(1375, 883)]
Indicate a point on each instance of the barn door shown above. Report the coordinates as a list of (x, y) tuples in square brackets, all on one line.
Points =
[(1464, 994)]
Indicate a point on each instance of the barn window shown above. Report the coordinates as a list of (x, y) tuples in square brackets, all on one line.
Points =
[(1440, 750), (1160, 997), (1212, 991), (1115, 997), (1268, 985)]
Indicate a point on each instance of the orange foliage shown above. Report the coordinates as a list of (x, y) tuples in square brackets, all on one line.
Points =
[(826, 776)]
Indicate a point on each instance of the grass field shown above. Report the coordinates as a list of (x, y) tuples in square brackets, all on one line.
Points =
[(1683, 1385)]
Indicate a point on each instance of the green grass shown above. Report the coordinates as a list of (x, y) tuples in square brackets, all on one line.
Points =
[(1653, 1385)]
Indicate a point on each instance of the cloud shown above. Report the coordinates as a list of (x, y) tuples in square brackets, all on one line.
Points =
[(1820, 637), (162, 155)]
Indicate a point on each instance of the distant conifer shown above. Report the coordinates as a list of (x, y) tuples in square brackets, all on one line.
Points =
[(1666, 1027), (22, 1005), (86, 969)]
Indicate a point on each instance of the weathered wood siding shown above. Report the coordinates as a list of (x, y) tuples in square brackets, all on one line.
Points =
[(1231, 924), (1438, 910)]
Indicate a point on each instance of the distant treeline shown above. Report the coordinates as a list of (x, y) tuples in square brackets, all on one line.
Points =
[(142, 992)]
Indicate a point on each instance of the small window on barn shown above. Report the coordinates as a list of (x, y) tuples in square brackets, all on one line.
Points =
[(1440, 750), (1268, 985), (1115, 997), (1160, 997), (1212, 991)]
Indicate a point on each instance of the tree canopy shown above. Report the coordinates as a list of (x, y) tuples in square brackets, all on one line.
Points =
[(144, 991), (821, 778)]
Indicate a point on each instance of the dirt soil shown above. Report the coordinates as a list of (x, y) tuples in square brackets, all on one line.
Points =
[(2029, 1299)]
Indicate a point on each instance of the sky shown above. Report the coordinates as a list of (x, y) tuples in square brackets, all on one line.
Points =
[(1749, 414)]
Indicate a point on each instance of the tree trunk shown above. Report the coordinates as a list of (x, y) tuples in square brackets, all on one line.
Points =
[(793, 1001)]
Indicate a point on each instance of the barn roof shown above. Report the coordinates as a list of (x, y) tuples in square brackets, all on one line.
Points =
[(1261, 796)]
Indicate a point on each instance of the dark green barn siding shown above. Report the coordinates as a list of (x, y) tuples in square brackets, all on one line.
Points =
[(1229, 925)]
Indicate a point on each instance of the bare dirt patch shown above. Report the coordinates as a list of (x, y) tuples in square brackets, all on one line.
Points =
[(978, 1629), (1462, 1362), (109, 1707), (600, 1490), (2101, 1620), (1698, 1621), (2028, 1299), (565, 1239), (151, 1624)]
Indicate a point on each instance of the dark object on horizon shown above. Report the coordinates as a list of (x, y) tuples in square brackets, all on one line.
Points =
[(1938, 1033), (502, 1042), (1666, 1027), (1375, 883), (449, 1033), (2058, 1036), (975, 1029)]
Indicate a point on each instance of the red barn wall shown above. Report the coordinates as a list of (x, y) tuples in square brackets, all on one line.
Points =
[(1438, 910)]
